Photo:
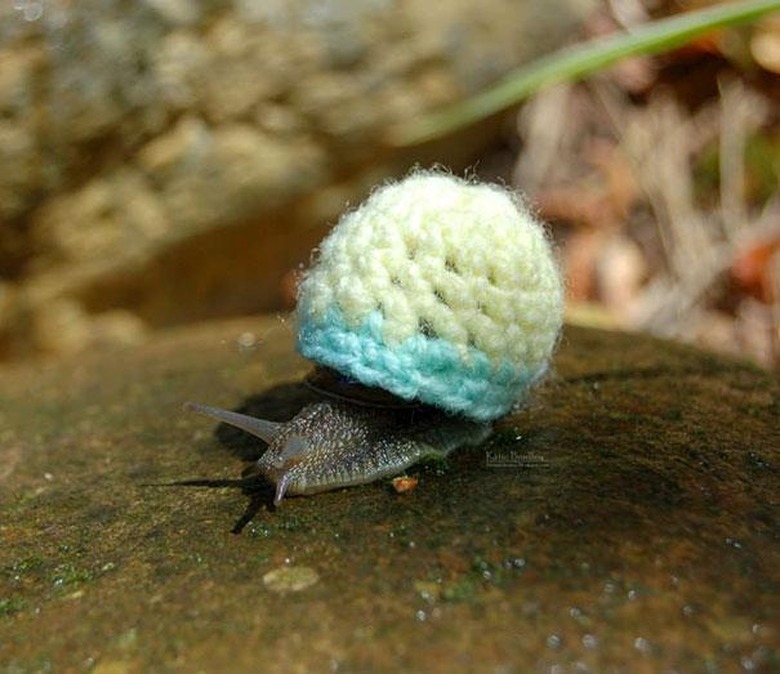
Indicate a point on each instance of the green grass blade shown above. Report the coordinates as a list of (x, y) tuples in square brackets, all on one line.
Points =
[(575, 62)]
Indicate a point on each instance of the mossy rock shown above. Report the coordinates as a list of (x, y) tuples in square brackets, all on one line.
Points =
[(625, 520)]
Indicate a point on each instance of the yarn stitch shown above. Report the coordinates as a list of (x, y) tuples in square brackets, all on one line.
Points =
[(439, 290)]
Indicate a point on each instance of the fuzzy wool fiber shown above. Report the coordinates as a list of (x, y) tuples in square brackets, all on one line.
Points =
[(436, 289)]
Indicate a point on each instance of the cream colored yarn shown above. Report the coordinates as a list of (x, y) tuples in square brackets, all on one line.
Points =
[(436, 289)]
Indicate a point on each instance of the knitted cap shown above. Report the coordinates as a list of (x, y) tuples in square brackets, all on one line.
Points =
[(438, 290)]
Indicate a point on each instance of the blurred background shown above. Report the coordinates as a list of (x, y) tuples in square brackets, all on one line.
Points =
[(164, 162)]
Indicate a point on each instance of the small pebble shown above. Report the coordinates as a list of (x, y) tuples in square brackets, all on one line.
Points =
[(290, 578), (404, 484)]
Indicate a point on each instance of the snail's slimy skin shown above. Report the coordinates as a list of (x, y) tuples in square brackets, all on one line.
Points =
[(333, 444)]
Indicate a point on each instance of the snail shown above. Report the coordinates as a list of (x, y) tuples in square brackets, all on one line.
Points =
[(430, 311)]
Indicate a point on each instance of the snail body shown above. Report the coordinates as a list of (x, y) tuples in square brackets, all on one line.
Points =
[(440, 293), (333, 443)]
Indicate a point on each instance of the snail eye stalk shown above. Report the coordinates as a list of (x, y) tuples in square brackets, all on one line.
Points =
[(260, 428)]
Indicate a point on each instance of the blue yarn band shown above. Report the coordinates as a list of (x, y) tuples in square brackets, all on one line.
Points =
[(421, 368)]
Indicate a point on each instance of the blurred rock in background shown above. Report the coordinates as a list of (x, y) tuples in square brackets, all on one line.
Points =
[(165, 161)]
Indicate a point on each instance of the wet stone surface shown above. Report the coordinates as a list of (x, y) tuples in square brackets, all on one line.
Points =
[(625, 520)]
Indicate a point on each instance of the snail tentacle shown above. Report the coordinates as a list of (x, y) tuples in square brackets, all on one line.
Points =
[(260, 428)]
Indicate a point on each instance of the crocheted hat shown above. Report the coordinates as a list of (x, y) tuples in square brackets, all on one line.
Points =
[(438, 290)]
